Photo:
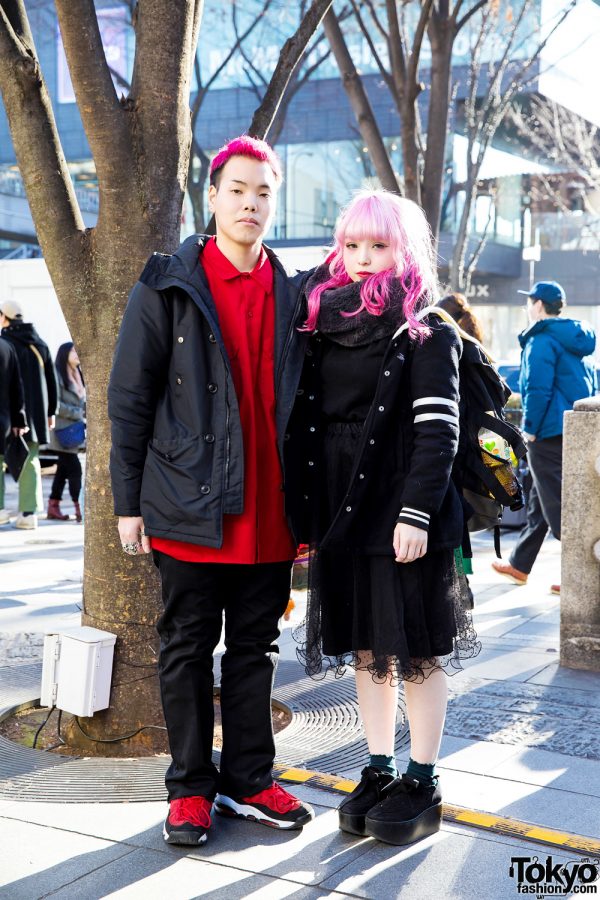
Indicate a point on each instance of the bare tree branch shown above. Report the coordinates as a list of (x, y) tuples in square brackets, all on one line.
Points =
[(290, 54), (376, 20), (35, 136), (367, 35), (468, 15), (101, 113), (360, 103)]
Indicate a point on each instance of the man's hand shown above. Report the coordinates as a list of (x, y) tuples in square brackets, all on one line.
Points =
[(410, 543), (19, 432), (51, 421), (530, 438), (132, 534)]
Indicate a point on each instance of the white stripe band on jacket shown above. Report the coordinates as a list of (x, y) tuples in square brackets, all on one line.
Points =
[(416, 514), (427, 417), (435, 401)]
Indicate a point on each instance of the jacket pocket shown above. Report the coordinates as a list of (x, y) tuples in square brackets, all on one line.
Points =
[(176, 485)]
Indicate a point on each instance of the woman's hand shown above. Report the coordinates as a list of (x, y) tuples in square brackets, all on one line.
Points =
[(132, 534), (410, 543)]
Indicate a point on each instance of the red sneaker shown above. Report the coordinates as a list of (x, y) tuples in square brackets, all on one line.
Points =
[(188, 820), (274, 807), (555, 588), (510, 572)]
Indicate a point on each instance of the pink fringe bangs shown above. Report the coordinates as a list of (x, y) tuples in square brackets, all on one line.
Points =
[(381, 215)]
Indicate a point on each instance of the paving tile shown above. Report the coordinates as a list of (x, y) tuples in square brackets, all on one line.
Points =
[(575, 679), (453, 865), (557, 770), (148, 875), (516, 665), (37, 860), (306, 857), (115, 822), (559, 809)]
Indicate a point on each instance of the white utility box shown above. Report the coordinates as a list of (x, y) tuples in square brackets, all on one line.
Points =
[(77, 669)]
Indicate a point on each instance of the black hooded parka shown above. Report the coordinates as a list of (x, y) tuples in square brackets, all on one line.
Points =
[(177, 455)]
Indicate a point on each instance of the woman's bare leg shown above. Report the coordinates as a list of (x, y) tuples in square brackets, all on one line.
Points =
[(426, 704), (378, 702)]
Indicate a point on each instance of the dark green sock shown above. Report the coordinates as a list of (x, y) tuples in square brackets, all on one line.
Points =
[(423, 772), (386, 764)]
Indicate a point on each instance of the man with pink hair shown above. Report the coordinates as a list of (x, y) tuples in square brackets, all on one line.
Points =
[(205, 373)]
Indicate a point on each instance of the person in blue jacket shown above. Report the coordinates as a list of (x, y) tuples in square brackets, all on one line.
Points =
[(556, 370)]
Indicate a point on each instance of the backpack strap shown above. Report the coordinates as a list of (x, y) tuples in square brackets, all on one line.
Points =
[(507, 431), (446, 317)]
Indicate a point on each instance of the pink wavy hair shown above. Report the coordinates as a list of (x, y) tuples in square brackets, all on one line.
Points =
[(382, 215), (246, 146)]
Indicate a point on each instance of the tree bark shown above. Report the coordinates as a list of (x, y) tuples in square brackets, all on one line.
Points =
[(365, 118), (441, 39), (141, 151)]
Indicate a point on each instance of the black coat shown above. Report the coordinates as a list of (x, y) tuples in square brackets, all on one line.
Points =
[(12, 396), (404, 461), (177, 455), (39, 378)]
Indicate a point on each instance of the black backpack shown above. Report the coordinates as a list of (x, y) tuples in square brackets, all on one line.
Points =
[(483, 470)]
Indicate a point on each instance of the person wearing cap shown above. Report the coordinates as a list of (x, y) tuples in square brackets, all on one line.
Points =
[(556, 370), (41, 397), (12, 409), (205, 374)]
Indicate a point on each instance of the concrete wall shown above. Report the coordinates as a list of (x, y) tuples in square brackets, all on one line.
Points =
[(580, 537)]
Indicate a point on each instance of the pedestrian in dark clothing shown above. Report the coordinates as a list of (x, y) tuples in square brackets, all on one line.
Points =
[(71, 408), (556, 370), (12, 409), (41, 398), (204, 377)]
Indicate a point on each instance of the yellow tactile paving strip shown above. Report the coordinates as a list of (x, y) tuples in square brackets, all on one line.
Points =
[(560, 840)]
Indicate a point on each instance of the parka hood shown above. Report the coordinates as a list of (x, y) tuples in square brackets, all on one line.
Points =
[(24, 333), (576, 337)]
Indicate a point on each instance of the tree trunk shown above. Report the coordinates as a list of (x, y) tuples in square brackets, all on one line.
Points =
[(410, 151), (441, 36), (365, 118), (461, 244), (196, 186), (141, 150)]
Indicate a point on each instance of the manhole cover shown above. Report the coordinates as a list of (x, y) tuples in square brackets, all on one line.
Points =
[(325, 733)]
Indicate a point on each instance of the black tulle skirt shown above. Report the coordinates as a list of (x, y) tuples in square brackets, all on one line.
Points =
[(399, 620)]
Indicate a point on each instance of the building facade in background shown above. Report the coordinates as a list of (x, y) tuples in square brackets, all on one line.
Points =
[(324, 159)]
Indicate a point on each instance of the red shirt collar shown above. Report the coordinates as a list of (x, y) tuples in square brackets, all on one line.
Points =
[(220, 266)]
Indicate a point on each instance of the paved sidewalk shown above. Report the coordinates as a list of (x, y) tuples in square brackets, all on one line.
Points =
[(522, 741)]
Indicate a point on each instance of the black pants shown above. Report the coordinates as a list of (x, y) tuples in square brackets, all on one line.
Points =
[(68, 469), (253, 599), (543, 503)]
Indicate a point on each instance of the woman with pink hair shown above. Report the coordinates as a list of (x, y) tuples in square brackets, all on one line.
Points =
[(370, 452)]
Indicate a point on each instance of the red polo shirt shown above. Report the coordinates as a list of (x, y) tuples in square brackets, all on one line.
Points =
[(245, 305)]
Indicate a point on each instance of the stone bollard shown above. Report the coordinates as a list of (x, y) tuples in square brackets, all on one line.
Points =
[(580, 538)]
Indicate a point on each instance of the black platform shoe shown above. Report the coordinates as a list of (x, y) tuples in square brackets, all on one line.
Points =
[(407, 812), (366, 794)]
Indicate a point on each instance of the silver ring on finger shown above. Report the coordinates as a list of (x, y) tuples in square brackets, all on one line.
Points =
[(131, 547)]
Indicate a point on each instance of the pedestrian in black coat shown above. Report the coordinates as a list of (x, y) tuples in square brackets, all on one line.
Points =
[(12, 409), (371, 448), (41, 398)]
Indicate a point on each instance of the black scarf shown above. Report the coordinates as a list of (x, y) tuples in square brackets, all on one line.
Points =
[(364, 328)]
